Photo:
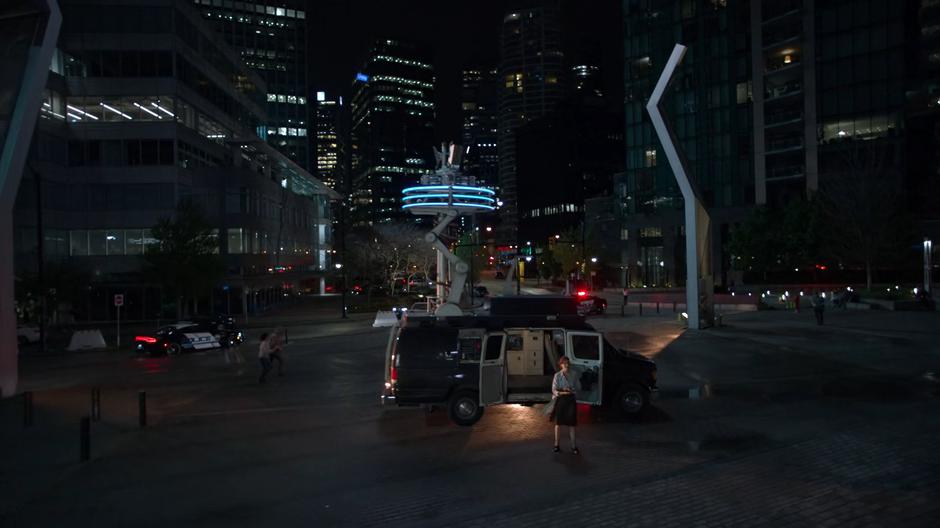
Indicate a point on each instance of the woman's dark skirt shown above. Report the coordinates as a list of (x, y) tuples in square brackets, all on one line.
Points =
[(566, 410)]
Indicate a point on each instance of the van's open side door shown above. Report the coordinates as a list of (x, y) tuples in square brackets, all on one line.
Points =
[(586, 352), (493, 369)]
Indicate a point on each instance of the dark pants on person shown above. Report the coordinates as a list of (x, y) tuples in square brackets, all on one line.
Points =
[(265, 368), (276, 356), (819, 316)]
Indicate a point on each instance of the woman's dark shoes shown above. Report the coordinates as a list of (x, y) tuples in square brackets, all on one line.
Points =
[(556, 449), (575, 451)]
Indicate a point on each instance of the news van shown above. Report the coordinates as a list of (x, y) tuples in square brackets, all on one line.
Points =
[(468, 363)]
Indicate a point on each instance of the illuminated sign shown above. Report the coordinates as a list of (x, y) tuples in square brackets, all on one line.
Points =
[(362, 77)]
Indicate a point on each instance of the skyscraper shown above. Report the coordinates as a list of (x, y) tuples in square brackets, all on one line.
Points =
[(531, 82), (770, 102), (478, 133), (392, 130), (146, 108), (326, 141), (271, 38)]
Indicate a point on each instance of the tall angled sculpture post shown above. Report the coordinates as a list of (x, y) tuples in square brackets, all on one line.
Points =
[(697, 222), (29, 30)]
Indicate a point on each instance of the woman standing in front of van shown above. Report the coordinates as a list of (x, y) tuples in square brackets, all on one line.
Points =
[(565, 386)]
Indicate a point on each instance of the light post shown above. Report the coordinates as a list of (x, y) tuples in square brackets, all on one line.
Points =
[(339, 267), (928, 278), (592, 272)]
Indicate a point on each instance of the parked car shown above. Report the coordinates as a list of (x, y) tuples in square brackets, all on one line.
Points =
[(27, 334), (469, 363), (189, 336), (590, 304)]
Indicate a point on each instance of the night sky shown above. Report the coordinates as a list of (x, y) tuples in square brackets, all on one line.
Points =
[(462, 34)]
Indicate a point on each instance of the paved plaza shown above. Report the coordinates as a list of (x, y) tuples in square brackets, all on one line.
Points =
[(796, 425)]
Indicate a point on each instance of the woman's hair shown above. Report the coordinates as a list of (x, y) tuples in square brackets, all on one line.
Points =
[(563, 359), (264, 336)]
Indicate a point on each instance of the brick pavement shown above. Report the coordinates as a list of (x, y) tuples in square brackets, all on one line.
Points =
[(870, 477)]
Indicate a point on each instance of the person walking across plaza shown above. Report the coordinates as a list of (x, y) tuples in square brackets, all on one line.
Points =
[(264, 356), (277, 349), (819, 306), (565, 386)]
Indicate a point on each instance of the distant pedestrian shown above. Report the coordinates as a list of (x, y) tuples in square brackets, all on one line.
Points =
[(565, 387), (264, 355), (819, 306), (277, 349), (796, 302)]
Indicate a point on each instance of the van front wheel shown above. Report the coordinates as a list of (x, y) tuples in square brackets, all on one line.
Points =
[(464, 408)]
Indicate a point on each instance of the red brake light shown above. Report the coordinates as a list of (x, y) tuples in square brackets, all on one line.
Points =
[(146, 339), (394, 375), (582, 293)]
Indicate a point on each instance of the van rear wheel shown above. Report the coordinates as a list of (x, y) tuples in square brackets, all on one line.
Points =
[(464, 408), (632, 399)]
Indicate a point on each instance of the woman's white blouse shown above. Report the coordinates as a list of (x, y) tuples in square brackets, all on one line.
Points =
[(561, 382)]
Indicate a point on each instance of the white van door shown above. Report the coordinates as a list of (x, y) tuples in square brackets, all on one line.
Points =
[(493, 369), (585, 350)]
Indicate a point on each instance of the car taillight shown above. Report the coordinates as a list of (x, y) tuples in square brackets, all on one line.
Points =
[(146, 339), (582, 293), (393, 376)]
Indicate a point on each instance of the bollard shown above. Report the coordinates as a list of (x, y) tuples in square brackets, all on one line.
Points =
[(142, 408), (96, 404), (27, 408), (641, 308), (623, 307), (673, 306), (85, 439), (657, 306), (286, 340)]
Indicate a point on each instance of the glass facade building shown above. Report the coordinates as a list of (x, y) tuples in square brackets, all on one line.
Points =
[(478, 133), (271, 38), (147, 107), (392, 130), (769, 98), (531, 82)]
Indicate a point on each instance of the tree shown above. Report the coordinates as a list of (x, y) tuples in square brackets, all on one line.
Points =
[(777, 239), (469, 251), (185, 260), (863, 209), (572, 247)]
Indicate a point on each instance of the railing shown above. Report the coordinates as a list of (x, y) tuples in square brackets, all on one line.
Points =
[(777, 118)]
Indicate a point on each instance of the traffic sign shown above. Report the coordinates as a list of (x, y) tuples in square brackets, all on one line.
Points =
[(118, 299)]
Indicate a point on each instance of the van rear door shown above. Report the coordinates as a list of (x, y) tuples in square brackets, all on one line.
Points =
[(586, 352), (493, 369)]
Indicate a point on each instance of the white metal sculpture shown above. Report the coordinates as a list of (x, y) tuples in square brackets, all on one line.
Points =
[(699, 285), (22, 83), (447, 194)]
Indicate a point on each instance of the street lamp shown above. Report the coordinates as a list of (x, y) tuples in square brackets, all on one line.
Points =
[(928, 254), (339, 266)]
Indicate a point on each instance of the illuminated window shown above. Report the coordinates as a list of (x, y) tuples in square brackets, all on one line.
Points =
[(649, 158)]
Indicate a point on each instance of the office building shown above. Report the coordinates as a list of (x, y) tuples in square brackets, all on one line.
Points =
[(326, 123), (563, 159), (771, 98), (531, 81), (271, 38), (147, 107), (392, 130), (479, 130)]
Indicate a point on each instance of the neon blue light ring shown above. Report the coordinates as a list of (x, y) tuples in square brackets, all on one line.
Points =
[(442, 204), (485, 190), (463, 196)]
